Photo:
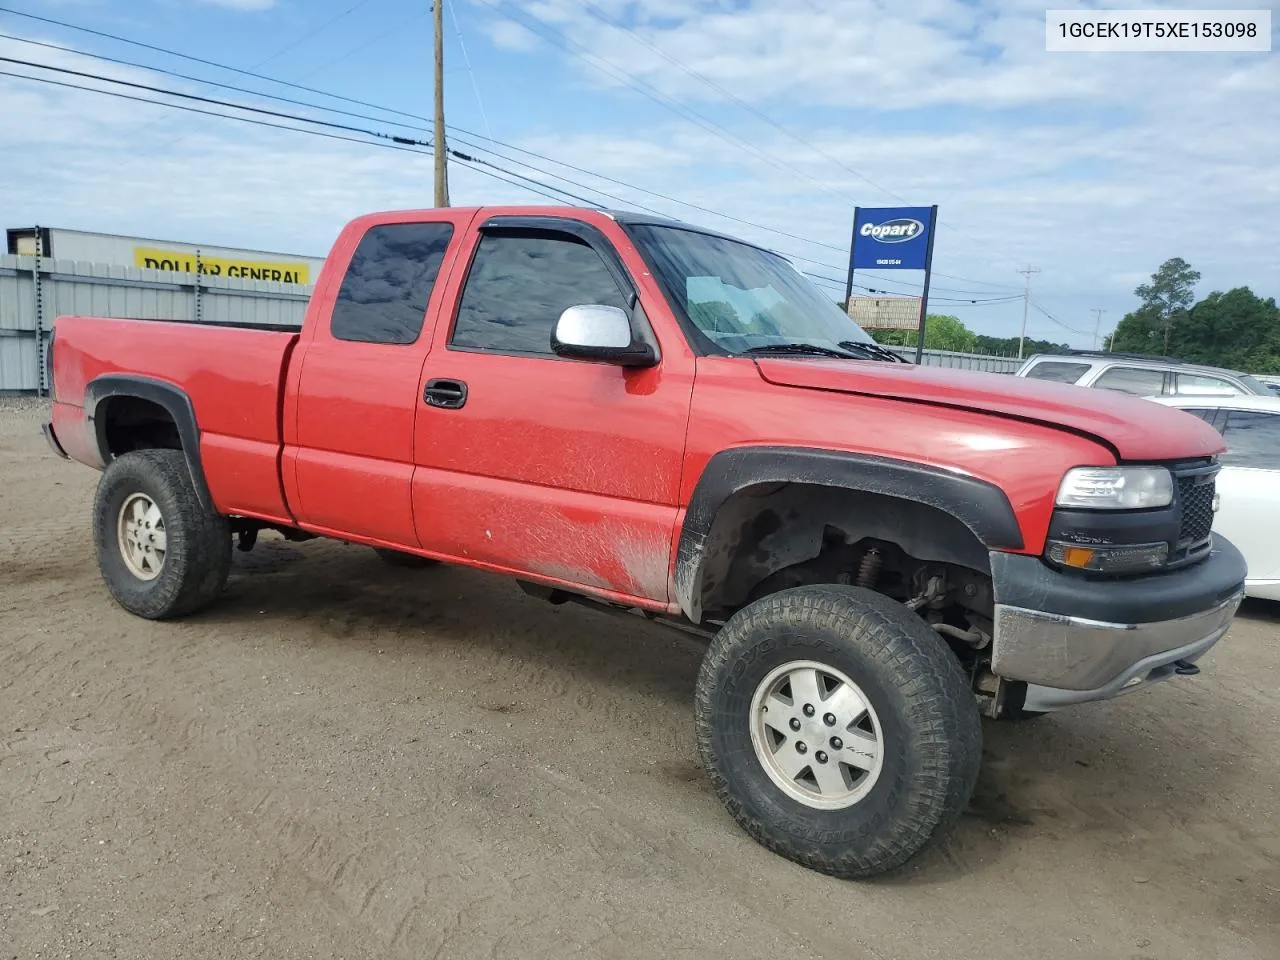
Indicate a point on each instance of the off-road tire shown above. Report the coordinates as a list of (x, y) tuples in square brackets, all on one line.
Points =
[(932, 734), (398, 558), (198, 556)]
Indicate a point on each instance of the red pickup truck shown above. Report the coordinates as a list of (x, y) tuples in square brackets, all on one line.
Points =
[(657, 418)]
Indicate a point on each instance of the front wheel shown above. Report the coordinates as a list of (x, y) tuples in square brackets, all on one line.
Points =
[(838, 730), (162, 552)]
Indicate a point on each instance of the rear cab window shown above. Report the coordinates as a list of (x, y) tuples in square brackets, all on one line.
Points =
[(1059, 371), (1137, 381), (384, 293)]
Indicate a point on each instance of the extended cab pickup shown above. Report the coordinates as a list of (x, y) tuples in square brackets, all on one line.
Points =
[(657, 418)]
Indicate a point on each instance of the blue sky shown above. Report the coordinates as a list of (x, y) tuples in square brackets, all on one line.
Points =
[(783, 113)]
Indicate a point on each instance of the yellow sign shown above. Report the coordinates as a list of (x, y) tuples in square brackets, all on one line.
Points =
[(151, 258)]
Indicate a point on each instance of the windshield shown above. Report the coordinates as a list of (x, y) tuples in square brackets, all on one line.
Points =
[(739, 297)]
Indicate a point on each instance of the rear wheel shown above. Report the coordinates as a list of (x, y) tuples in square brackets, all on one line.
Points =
[(398, 558), (837, 728), (162, 552)]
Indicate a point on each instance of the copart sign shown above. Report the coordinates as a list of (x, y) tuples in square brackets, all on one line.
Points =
[(151, 258), (891, 238)]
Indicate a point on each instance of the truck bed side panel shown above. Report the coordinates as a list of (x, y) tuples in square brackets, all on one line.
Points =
[(232, 375)]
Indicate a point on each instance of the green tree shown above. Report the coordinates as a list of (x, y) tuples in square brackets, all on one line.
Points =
[(1236, 329), (1008, 346), (941, 332), (1165, 301)]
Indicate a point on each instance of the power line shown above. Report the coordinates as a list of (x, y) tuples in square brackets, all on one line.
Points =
[(840, 284), (558, 38), (373, 106), (1064, 326), (364, 116), (311, 33), (330, 62), (754, 111), (208, 63), (477, 164), (193, 96), (211, 83), (470, 162), (457, 28), (412, 116)]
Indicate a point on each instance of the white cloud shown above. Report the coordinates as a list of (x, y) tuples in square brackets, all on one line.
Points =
[(510, 36)]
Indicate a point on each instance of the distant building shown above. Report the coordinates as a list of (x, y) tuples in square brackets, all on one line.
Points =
[(168, 255), (885, 313)]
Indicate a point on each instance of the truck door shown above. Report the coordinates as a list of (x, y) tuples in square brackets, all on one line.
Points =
[(530, 463), (353, 395)]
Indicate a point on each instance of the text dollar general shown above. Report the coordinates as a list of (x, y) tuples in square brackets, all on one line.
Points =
[(151, 258)]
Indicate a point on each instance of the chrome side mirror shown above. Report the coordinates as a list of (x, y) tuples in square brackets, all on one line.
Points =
[(599, 332)]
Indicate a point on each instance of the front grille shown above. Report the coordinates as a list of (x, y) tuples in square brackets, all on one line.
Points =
[(1196, 486)]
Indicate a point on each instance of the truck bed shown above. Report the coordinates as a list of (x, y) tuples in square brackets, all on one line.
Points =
[(234, 376)]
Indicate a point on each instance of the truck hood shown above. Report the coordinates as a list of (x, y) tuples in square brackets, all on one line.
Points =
[(1134, 428)]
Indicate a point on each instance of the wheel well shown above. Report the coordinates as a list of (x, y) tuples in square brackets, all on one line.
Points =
[(773, 536), (132, 423)]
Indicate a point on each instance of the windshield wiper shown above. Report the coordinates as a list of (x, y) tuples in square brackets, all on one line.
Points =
[(803, 349), (872, 350)]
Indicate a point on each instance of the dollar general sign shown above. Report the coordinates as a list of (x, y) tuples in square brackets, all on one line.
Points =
[(152, 258)]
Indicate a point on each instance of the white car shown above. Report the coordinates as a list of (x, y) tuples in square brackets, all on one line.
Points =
[(1141, 376), (1249, 484)]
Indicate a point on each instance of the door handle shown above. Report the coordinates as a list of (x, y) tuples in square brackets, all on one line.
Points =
[(446, 394)]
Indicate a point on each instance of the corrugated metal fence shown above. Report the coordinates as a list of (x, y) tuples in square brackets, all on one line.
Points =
[(34, 291), (961, 361)]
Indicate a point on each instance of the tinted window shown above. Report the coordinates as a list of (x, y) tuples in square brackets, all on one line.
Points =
[(520, 284), (1058, 371), (383, 298), (1206, 414), (1134, 380), (1253, 439), (1195, 384)]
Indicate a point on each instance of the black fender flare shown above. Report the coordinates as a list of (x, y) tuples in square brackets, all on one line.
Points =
[(981, 506), (172, 399)]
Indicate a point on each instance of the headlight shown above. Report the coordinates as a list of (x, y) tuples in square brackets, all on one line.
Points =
[(1116, 488)]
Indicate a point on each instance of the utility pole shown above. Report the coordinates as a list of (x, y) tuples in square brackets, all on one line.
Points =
[(1097, 324), (1026, 304), (440, 149)]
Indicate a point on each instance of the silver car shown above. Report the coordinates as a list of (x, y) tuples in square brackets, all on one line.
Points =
[(1142, 376)]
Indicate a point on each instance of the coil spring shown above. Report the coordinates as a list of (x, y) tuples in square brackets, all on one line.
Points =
[(869, 568)]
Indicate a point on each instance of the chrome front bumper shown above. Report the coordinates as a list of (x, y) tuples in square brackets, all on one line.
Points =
[(1066, 660)]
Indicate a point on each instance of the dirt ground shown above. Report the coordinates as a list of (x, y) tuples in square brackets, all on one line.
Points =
[(343, 759)]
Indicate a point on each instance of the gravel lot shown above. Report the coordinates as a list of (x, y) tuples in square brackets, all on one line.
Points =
[(343, 759)]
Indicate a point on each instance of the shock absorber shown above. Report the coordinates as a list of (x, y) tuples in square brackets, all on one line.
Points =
[(869, 568)]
